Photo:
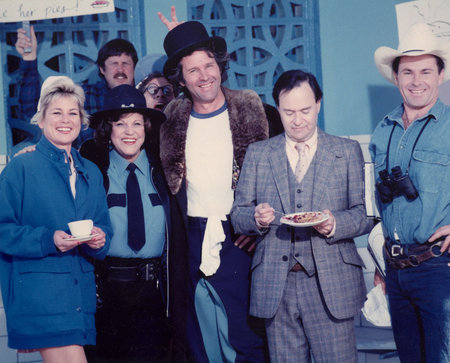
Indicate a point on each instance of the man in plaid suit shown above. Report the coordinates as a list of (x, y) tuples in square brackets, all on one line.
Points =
[(307, 282)]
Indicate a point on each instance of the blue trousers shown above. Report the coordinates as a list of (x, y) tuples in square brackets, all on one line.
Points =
[(231, 283), (419, 303)]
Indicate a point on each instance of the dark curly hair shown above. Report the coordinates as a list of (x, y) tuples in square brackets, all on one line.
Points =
[(103, 131), (221, 58)]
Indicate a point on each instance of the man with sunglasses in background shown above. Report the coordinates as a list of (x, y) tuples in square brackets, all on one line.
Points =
[(157, 90)]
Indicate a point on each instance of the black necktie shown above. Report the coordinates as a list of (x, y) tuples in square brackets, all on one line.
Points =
[(135, 212)]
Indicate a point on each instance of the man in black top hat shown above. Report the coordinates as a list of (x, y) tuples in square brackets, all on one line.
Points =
[(203, 143)]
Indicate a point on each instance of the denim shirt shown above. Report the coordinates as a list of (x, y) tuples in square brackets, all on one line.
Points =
[(429, 170)]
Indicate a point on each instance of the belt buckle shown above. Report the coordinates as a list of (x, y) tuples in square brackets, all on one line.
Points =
[(396, 250), (413, 260), (148, 272), (437, 245)]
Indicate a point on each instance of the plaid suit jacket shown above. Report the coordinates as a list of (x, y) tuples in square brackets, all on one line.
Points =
[(339, 187)]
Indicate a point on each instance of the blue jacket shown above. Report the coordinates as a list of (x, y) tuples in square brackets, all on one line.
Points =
[(49, 296)]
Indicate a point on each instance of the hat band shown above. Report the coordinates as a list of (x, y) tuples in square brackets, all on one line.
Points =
[(127, 106), (413, 50)]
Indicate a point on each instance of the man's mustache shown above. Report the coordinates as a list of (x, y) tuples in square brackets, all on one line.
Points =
[(123, 75)]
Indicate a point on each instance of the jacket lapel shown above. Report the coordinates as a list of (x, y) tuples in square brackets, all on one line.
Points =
[(279, 167), (325, 156)]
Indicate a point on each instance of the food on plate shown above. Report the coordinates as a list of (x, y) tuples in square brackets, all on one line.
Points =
[(306, 217)]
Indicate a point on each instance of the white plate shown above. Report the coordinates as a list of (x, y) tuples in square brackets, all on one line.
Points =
[(81, 238), (285, 219)]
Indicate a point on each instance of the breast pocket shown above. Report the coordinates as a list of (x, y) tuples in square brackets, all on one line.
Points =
[(429, 170)]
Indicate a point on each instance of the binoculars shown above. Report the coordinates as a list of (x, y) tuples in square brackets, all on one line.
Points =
[(395, 185)]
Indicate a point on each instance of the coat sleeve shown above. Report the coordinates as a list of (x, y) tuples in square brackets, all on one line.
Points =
[(353, 221), (29, 86), (101, 219), (17, 239), (245, 201)]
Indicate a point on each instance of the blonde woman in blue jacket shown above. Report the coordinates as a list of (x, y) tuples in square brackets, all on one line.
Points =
[(46, 275)]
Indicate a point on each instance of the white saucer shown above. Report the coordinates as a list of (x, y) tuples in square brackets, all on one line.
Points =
[(81, 238)]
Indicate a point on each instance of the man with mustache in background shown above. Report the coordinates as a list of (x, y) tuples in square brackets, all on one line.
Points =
[(115, 61)]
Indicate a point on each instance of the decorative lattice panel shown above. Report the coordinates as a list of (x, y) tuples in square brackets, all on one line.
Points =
[(264, 37), (66, 46)]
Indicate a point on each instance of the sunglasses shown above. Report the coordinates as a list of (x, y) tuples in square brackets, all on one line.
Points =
[(167, 90)]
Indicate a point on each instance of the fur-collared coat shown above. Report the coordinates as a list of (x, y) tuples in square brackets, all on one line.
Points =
[(248, 123)]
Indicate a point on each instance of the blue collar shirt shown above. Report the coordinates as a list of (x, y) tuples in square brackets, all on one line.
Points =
[(155, 222), (429, 170)]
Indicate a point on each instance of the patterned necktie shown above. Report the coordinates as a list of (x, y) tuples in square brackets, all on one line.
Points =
[(300, 166), (135, 211)]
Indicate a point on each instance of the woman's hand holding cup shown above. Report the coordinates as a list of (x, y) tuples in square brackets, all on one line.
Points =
[(98, 240)]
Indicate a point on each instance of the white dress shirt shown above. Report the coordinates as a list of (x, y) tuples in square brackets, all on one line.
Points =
[(310, 151)]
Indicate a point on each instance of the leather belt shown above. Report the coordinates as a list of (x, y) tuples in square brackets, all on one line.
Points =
[(297, 267), (147, 270), (400, 256)]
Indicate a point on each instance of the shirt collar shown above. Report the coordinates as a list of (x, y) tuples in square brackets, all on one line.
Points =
[(211, 114), (437, 110), (396, 115), (121, 164), (310, 143)]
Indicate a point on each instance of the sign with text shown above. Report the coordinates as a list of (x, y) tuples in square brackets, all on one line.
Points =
[(12, 11), (436, 13)]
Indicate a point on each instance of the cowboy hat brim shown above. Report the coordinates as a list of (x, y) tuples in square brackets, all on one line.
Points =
[(152, 114), (385, 56)]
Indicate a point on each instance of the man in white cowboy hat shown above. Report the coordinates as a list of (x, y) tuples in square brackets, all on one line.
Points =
[(411, 151), (203, 143)]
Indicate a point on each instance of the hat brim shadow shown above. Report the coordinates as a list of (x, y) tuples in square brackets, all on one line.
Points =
[(217, 43), (152, 114), (384, 56)]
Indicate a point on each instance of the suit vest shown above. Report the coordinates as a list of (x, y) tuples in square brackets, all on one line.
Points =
[(301, 201)]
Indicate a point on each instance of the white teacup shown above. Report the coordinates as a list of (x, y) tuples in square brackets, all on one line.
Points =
[(81, 228)]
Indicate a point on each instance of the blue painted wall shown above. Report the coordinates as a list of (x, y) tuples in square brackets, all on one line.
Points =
[(356, 96), (155, 31)]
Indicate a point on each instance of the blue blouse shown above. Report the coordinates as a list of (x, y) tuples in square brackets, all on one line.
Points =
[(155, 222)]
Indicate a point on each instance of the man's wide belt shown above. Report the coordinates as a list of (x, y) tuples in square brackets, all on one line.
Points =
[(400, 256)]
